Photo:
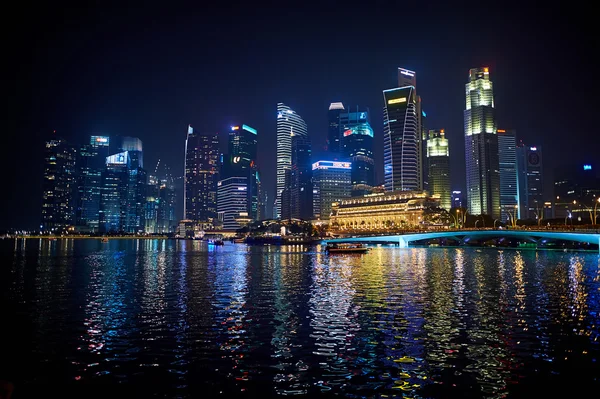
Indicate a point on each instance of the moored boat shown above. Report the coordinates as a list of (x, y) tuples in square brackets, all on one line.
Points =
[(347, 248)]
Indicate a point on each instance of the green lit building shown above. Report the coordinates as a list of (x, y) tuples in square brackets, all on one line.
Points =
[(438, 165)]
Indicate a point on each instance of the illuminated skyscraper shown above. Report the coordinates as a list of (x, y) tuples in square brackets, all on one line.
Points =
[(530, 184), (507, 155), (331, 182), (301, 179), (334, 138), (288, 123), (400, 135), (113, 203), (58, 186), (409, 78), (438, 165), (481, 146), (241, 162), (232, 201), (357, 147), (201, 176), (90, 166)]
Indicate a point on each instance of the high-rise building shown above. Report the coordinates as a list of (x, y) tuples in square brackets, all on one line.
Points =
[(400, 140), (481, 146), (507, 155), (201, 176), (301, 179), (438, 166), (357, 148), (132, 145), (232, 202), (331, 183), (136, 189), (530, 185), (409, 78), (90, 166), (241, 162), (288, 123), (458, 200), (334, 138), (113, 203), (58, 186)]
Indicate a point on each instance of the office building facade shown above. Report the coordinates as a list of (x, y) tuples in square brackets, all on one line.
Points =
[(334, 138), (91, 161), (288, 123), (438, 166), (113, 203), (481, 146), (58, 208), (507, 156), (232, 202), (357, 148), (530, 185), (331, 182), (301, 204), (201, 174), (400, 136)]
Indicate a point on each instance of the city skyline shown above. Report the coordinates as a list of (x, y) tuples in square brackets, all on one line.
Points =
[(158, 130)]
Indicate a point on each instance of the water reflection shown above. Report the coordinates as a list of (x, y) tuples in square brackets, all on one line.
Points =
[(292, 320)]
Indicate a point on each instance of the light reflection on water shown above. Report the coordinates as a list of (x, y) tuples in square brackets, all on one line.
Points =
[(293, 320)]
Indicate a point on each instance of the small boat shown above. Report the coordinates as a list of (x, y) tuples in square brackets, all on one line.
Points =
[(239, 240), (347, 248), (104, 239)]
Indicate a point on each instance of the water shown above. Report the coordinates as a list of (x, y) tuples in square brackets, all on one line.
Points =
[(162, 318)]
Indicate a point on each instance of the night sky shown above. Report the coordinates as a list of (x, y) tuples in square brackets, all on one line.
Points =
[(149, 71)]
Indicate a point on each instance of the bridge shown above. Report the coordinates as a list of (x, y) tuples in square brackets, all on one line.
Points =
[(463, 236)]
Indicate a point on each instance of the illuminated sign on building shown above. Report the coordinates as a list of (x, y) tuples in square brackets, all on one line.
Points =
[(363, 115), (100, 140), (348, 132), (120, 158), (397, 100), (407, 72), (587, 167), (249, 129), (501, 131), (234, 128), (533, 148), (190, 129), (331, 165)]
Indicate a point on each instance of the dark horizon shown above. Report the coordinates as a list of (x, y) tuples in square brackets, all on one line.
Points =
[(150, 72)]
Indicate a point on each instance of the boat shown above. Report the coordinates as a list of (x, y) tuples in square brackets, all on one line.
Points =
[(347, 248), (239, 240), (104, 239), (218, 242)]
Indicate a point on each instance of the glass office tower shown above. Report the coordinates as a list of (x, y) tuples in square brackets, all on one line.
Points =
[(331, 183), (400, 135), (530, 185), (357, 148), (90, 165), (438, 166), (507, 156), (301, 206), (201, 175), (334, 138), (288, 123), (481, 146)]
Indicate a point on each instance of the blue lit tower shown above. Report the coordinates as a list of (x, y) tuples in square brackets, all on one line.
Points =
[(481, 146), (507, 156), (334, 138), (58, 186), (301, 206), (114, 194), (91, 163), (400, 135), (357, 147), (288, 123), (201, 174), (136, 185)]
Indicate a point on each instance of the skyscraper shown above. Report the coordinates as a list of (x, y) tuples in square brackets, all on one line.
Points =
[(58, 186), (301, 206), (288, 123), (400, 135), (114, 194), (507, 155), (201, 176), (481, 146), (331, 183), (334, 146), (241, 162), (530, 184), (91, 162), (409, 78), (232, 201), (357, 147), (438, 165)]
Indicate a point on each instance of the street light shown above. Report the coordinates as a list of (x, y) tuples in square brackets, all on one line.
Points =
[(495, 220)]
